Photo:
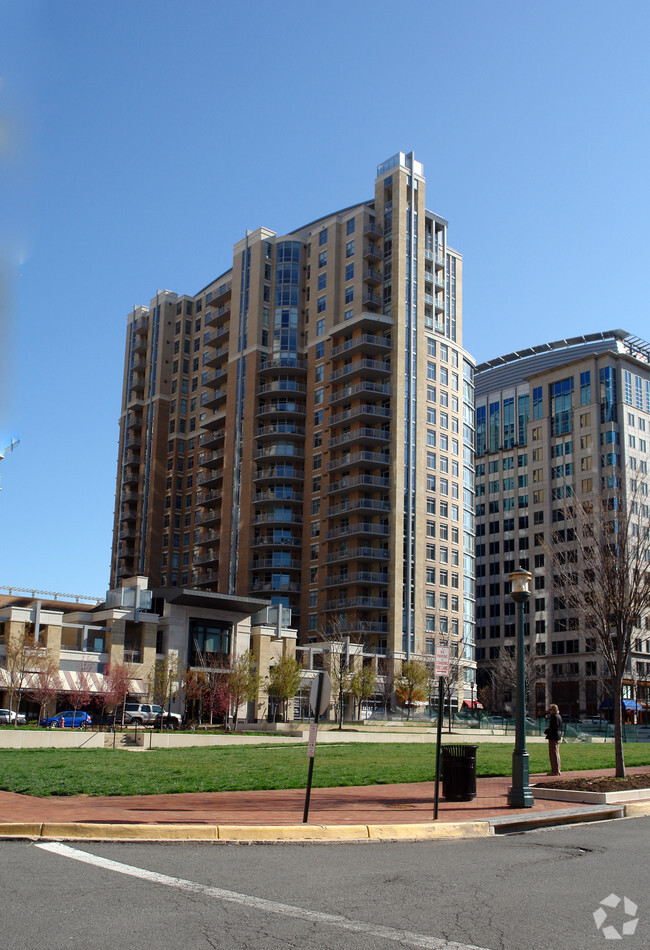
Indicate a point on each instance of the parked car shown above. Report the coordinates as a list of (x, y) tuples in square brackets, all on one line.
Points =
[(169, 721), (9, 716), (497, 721), (599, 721), (69, 719), (145, 714)]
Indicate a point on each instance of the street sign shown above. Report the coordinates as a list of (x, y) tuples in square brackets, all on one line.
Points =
[(326, 694), (442, 660), (311, 745)]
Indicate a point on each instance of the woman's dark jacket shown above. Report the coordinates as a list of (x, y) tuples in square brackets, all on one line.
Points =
[(554, 731)]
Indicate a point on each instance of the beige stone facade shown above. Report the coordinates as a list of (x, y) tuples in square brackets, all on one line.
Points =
[(302, 429)]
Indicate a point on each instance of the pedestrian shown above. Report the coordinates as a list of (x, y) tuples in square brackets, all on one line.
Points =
[(554, 735)]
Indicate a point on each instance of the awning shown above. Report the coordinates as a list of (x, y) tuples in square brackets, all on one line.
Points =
[(472, 704), (69, 682), (626, 703)]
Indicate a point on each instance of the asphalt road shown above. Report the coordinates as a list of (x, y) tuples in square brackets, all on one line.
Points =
[(536, 891)]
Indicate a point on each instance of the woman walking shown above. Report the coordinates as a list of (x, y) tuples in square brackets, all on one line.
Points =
[(554, 735)]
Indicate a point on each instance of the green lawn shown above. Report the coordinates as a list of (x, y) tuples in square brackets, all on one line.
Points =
[(44, 772)]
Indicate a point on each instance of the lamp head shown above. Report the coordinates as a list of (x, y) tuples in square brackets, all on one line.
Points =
[(520, 585)]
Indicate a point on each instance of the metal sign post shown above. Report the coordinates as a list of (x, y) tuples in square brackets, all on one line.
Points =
[(441, 670), (319, 700)]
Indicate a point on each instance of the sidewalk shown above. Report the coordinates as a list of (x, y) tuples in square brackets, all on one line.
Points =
[(373, 811)]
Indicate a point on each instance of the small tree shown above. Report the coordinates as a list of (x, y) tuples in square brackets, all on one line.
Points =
[(504, 673), (45, 685), (243, 682), (285, 678), (118, 680), (411, 684), (603, 578), (363, 684), (164, 680), (80, 696), (23, 659)]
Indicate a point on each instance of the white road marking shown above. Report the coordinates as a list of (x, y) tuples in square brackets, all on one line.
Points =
[(259, 903)]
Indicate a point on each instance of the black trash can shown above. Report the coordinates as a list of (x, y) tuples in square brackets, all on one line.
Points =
[(459, 772)]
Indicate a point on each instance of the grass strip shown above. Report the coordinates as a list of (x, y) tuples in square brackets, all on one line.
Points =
[(45, 772)]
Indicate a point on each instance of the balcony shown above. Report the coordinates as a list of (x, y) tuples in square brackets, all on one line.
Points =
[(130, 476), (358, 504), (281, 407), (210, 478), (372, 253), (214, 401), (207, 516), (274, 540), (371, 229), (358, 481), (211, 499), (269, 564), (217, 316), (211, 459), (366, 342), (371, 299), (359, 527), (360, 577), (279, 498), (361, 553), (357, 603), (210, 557), (289, 450), (215, 379), (361, 459), (283, 362), (132, 656), (359, 436), (279, 428), (270, 586), (439, 304), (215, 340), (368, 368), (214, 437), (219, 296), (271, 472), (210, 537), (277, 517), (129, 514), (282, 386), (217, 357), (133, 442), (367, 389), (360, 412), (367, 320), (136, 383), (373, 276)]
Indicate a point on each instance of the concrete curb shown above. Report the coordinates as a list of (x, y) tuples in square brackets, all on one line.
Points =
[(80, 831), (515, 824)]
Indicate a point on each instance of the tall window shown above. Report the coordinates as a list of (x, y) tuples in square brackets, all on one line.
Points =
[(561, 394)]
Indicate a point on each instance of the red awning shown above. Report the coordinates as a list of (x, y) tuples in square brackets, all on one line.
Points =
[(473, 704)]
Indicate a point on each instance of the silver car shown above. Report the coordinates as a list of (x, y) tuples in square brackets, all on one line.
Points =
[(8, 716)]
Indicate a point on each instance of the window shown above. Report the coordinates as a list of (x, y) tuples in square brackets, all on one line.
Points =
[(320, 326), (349, 248), (349, 294), (322, 237), (349, 226), (349, 271), (322, 259)]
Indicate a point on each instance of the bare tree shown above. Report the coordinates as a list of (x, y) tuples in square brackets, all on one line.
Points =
[(45, 685), (503, 671), (23, 659), (602, 580)]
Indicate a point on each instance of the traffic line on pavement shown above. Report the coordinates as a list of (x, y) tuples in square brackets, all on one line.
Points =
[(405, 937)]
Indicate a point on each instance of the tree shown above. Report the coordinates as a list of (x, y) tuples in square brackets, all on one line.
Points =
[(285, 677), (363, 684), (503, 673), (118, 681), (601, 578), (45, 685), (243, 682), (164, 680), (80, 696), (411, 684), (336, 633), (23, 659)]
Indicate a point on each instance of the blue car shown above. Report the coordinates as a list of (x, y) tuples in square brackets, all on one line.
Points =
[(67, 720)]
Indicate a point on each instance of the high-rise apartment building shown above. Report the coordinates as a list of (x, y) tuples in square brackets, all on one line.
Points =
[(302, 428), (569, 419)]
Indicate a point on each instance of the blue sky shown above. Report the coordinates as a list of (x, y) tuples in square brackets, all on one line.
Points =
[(138, 141)]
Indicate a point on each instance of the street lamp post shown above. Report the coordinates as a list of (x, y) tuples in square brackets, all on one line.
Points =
[(520, 795)]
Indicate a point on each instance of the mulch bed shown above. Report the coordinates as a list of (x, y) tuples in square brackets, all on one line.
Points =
[(601, 784)]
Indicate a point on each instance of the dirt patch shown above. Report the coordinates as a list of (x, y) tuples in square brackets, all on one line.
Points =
[(601, 783)]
